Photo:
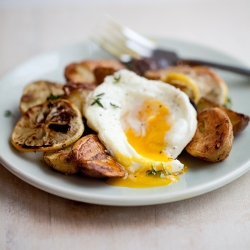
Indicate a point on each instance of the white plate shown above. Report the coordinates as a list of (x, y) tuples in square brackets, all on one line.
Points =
[(201, 178)]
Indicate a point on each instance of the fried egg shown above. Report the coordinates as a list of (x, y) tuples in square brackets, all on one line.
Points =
[(144, 124)]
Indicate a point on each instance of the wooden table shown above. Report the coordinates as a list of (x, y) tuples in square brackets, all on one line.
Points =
[(33, 219)]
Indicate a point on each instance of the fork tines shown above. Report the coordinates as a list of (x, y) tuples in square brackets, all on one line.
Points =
[(122, 42)]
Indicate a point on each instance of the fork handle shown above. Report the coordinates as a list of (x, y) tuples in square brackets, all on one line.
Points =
[(238, 70)]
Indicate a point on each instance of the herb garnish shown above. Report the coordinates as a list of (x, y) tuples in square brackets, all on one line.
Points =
[(97, 100), (117, 79), (53, 97), (7, 113), (228, 103), (115, 106), (158, 173), (151, 172), (129, 65), (100, 94)]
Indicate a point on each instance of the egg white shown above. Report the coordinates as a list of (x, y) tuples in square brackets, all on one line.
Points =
[(123, 94)]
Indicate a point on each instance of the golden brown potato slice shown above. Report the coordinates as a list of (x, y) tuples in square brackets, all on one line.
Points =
[(84, 72), (81, 73), (38, 92), (77, 93), (211, 85), (214, 136), (49, 126), (78, 97), (101, 72), (238, 120), (93, 159), (62, 160)]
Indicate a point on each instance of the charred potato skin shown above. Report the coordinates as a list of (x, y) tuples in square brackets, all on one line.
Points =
[(213, 139), (93, 159), (238, 120), (101, 72), (62, 161)]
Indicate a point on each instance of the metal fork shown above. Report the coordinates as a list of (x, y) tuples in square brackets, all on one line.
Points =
[(125, 44)]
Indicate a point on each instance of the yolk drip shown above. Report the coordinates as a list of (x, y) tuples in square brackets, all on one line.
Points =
[(151, 140), (141, 181)]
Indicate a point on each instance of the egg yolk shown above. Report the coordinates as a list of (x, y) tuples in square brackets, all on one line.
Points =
[(150, 142), (142, 181)]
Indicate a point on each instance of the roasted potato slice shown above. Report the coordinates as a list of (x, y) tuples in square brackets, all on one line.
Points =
[(49, 126), (78, 97), (211, 85), (77, 93), (238, 120), (90, 72), (37, 93), (81, 72), (214, 136), (106, 68), (62, 160), (94, 160), (101, 72)]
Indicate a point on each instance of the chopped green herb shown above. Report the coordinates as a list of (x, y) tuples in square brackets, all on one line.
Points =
[(53, 97), (97, 100), (129, 66), (117, 79), (151, 172), (115, 106), (100, 95), (160, 173), (7, 113), (228, 103)]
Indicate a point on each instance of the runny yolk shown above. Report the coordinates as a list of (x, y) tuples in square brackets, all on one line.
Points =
[(142, 181), (150, 142)]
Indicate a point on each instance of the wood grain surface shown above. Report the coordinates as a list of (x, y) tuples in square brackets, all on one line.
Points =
[(33, 219)]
